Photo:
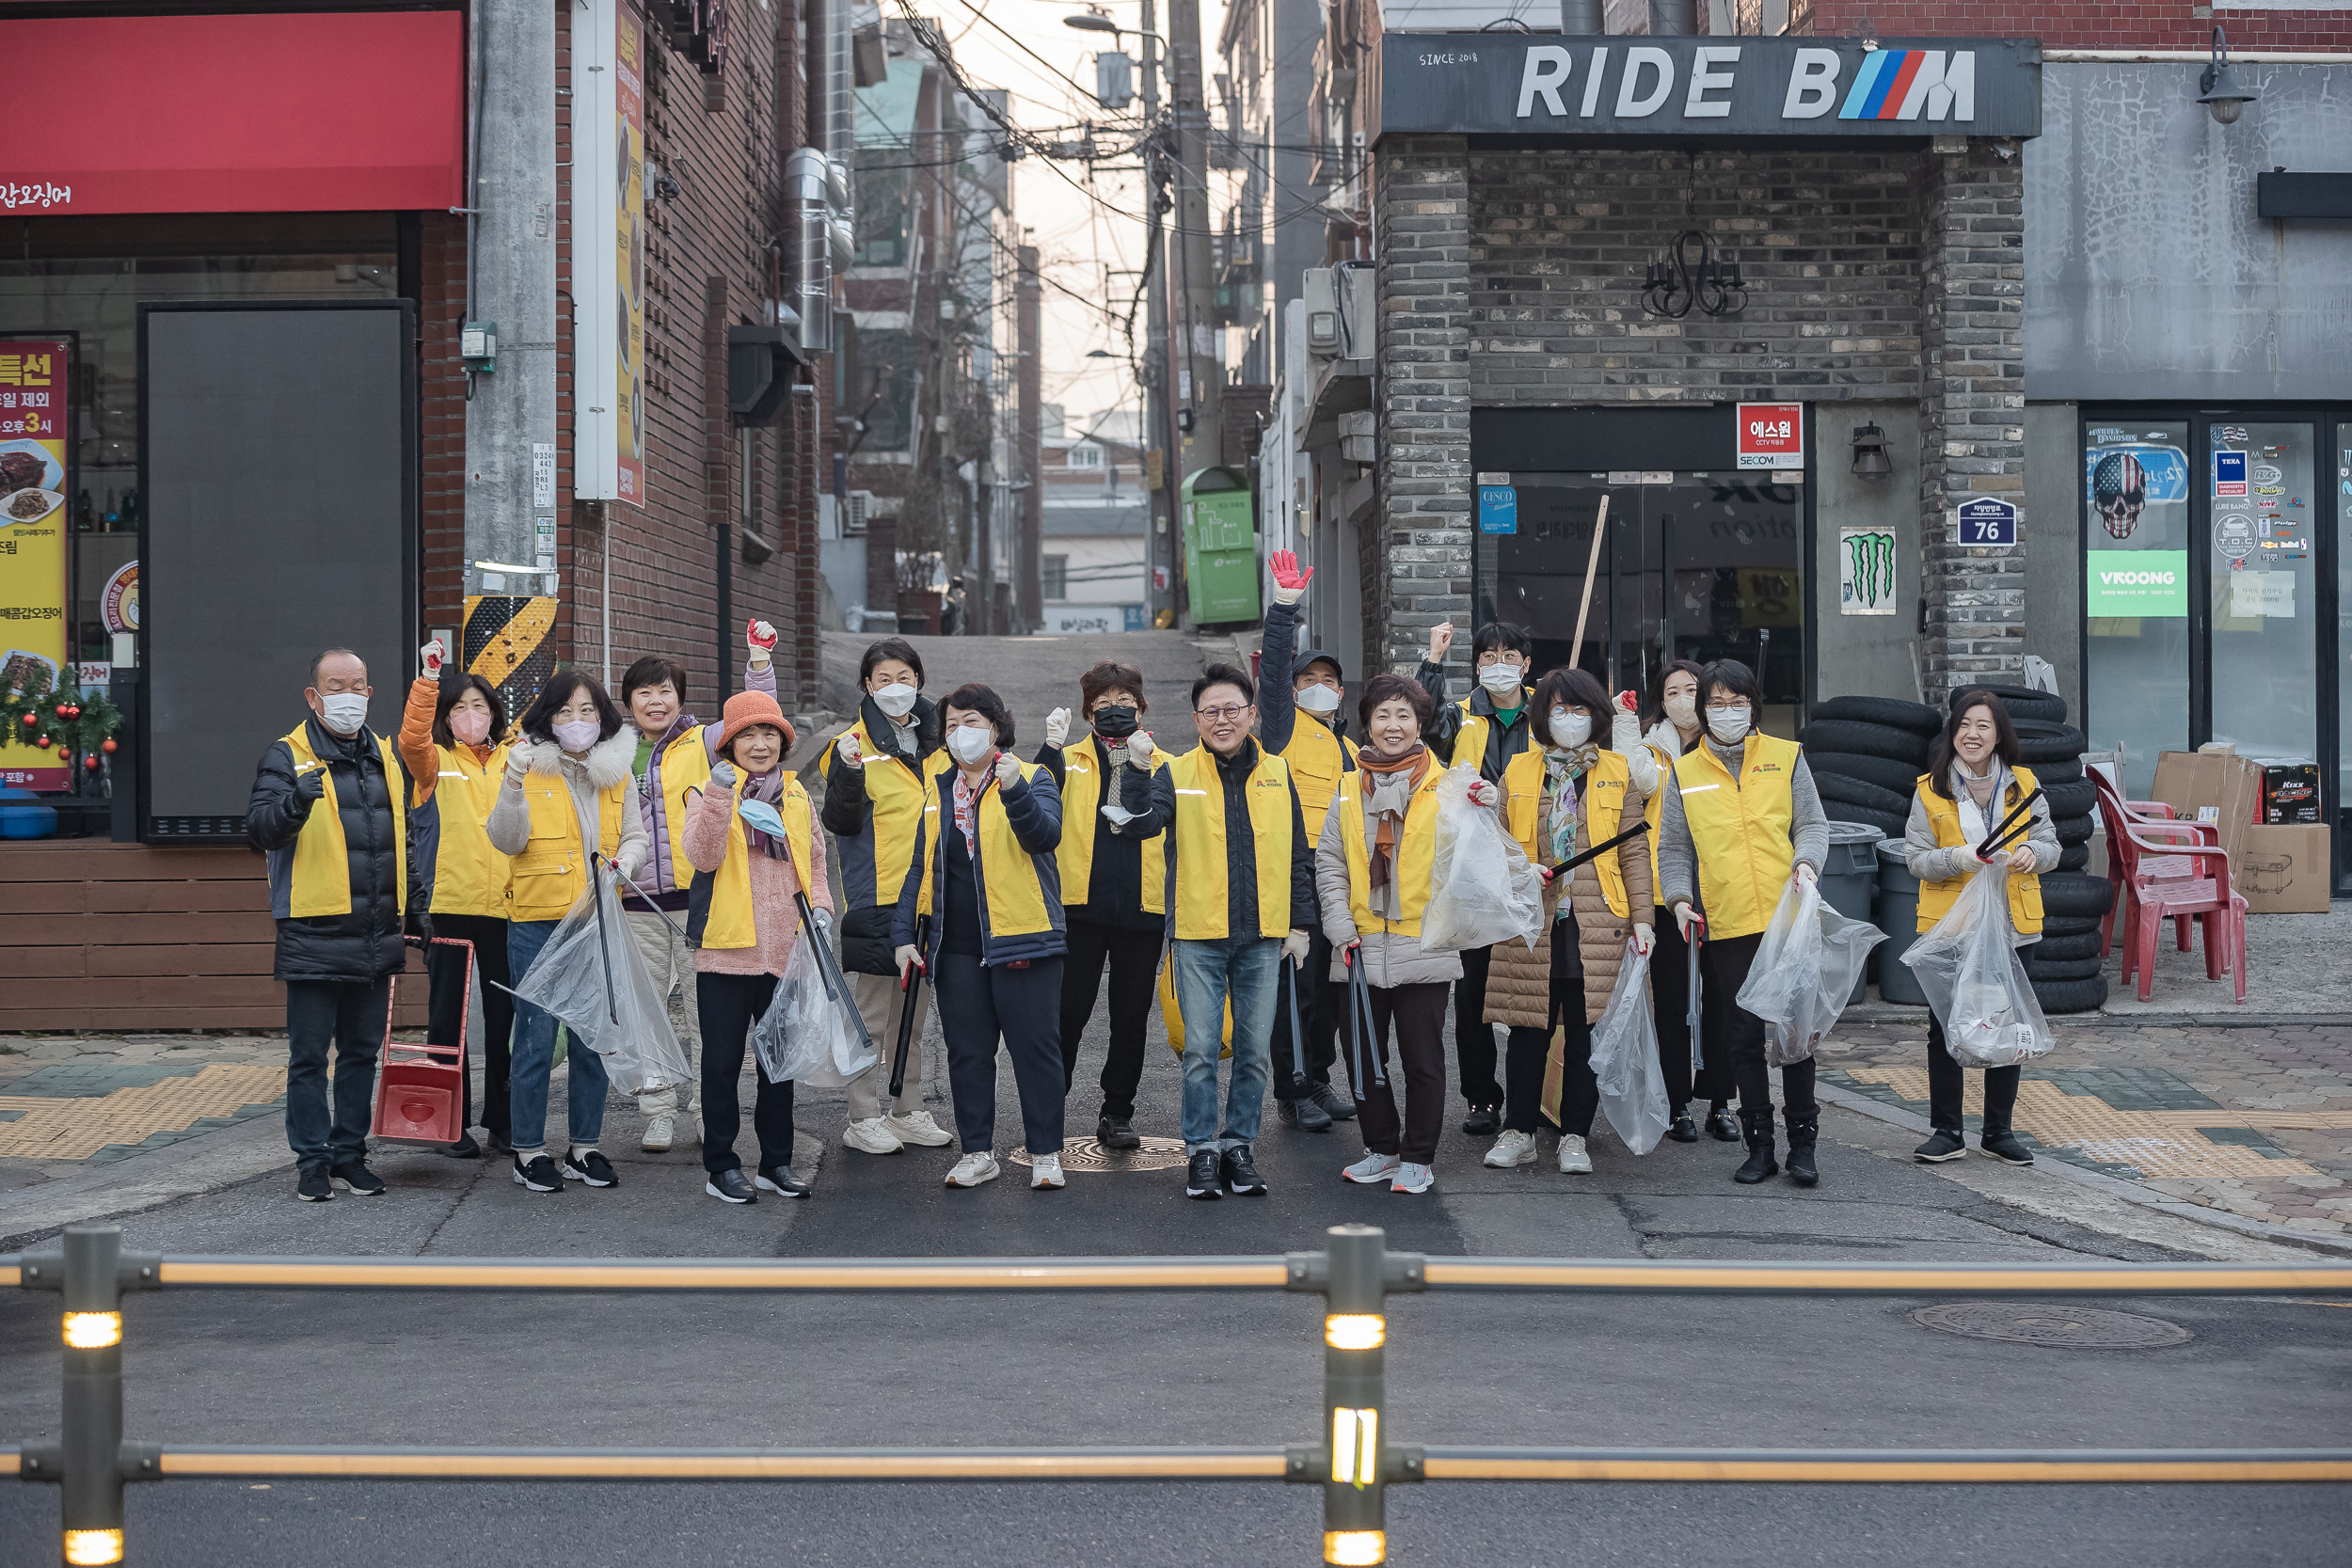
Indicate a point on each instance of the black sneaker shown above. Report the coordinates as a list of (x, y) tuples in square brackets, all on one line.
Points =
[(780, 1180), (354, 1177), (495, 1143), (1722, 1126), (464, 1149), (1941, 1145), (1303, 1115), (314, 1187), (1201, 1180), (1484, 1121), (731, 1186), (1241, 1172), (590, 1168), (1116, 1132), (539, 1174), (1684, 1129), (2007, 1147), (1335, 1104)]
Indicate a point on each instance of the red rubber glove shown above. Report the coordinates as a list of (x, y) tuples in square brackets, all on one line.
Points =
[(1289, 582), (760, 635)]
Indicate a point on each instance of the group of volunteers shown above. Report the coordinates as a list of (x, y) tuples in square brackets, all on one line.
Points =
[(1267, 885)]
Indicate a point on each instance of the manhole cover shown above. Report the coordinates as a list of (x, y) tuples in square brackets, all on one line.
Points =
[(2028, 1323), (1089, 1154)]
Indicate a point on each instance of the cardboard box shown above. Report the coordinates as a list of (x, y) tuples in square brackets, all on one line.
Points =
[(2214, 786), (2283, 869), (2290, 792)]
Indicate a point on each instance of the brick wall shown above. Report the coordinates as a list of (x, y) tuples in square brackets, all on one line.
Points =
[(441, 423), (2081, 24)]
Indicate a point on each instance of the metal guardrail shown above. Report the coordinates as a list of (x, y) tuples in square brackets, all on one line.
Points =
[(1353, 1460)]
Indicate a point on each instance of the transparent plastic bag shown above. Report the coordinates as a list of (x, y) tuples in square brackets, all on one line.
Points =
[(1805, 971), (1975, 981), (805, 1035), (627, 1023), (1484, 890), (1625, 1060)]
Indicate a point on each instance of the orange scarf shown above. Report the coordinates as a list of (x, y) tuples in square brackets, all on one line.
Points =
[(1384, 837)]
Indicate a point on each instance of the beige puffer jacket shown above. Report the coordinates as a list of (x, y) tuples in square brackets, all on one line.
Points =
[(1518, 982)]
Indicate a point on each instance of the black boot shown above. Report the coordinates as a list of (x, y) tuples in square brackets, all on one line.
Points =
[(1803, 1130), (1756, 1127)]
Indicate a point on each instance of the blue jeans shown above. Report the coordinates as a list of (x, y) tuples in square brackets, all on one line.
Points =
[(533, 1059), (1208, 974)]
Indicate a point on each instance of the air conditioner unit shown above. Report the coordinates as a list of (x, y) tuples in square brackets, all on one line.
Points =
[(853, 516), (1316, 287)]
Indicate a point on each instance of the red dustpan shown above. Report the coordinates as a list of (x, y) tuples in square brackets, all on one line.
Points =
[(420, 1088)]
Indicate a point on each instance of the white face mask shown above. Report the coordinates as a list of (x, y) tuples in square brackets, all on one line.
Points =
[(969, 743), (1318, 700), (344, 711), (1570, 730), (1683, 709), (1500, 678), (1727, 724), (896, 701)]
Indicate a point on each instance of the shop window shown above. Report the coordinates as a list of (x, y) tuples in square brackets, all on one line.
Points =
[(2135, 586), (1057, 577), (2266, 657)]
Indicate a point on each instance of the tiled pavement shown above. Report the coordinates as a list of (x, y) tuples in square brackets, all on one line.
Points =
[(67, 1102)]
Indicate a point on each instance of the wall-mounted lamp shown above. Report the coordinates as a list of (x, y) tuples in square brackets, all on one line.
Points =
[(1869, 452), (2217, 86), (1687, 275)]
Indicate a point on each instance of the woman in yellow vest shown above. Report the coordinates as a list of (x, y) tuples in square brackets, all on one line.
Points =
[(1373, 869), (744, 914), (1111, 890), (1672, 716), (453, 736), (1740, 820), (1972, 783), (983, 873), (567, 796), (1580, 798)]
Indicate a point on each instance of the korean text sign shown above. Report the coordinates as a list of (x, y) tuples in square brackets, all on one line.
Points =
[(33, 493)]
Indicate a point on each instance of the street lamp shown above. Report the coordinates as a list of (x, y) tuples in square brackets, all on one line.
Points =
[(1095, 22), (2217, 88)]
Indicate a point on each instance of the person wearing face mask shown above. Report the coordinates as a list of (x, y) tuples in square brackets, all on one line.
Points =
[(453, 736), (1972, 783), (329, 808), (875, 790), (1290, 682), (1674, 728), (1113, 913), (1740, 822), (983, 893), (1491, 728), (1580, 798), (567, 796)]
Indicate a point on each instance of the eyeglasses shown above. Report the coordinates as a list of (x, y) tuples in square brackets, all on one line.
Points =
[(1230, 713)]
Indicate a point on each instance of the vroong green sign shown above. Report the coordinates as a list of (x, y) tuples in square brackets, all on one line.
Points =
[(2135, 582)]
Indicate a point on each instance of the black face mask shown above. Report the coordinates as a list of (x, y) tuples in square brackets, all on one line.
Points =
[(1113, 722)]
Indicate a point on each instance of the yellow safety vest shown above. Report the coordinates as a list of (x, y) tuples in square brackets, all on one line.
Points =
[(1319, 758), (469, 875), (1083, 769), (1740, 831), (322, 858), (2025, 887), (1603, 806), (552, 873), (1013, 902), (685, 765), (897, 795), (1469, 741), (1199, 858), (719, 904), (1416, 855)]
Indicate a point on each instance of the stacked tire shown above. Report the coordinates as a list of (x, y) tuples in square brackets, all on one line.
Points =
[(2064, 966), (1867, 754)]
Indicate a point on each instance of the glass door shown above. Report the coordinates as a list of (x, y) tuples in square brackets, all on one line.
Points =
[(2265, 660), (2136, 591)]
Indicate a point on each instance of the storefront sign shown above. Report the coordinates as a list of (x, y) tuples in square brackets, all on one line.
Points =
[(2135, 582), (1985, 520), (2228, 473), (118, 603), (1866, 572), (1698, 86), (33, 399), (609, 198), (1498, 509), (1772, 436)]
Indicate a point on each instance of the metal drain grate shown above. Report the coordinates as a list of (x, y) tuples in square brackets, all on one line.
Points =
[(1089, 1154), (2030, 1322)]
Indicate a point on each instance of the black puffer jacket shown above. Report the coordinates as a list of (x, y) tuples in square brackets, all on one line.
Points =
[(364, 945)]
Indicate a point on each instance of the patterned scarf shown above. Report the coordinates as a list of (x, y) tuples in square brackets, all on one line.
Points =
[(1564, 811)]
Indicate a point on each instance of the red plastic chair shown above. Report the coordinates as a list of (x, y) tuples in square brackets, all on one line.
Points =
[(2169, 870), (2145, 815), (420, 1088)]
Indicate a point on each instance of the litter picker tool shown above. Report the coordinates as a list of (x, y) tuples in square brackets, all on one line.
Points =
[(910, 987), (830, 968), (2018, 823), (604, 948), (652, 905), (1592, 567), (1597, 850), (1698, 1049), (1298, 1050), (1359, 1021)]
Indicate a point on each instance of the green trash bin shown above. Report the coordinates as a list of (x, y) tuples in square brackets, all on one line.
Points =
[(1898, 917), (1850, 882), (1221, 546)]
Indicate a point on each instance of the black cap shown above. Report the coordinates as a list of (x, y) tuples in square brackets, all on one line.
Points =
[(1316, 655)]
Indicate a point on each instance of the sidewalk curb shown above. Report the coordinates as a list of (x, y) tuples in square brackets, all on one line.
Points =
[(1897, 1012), (218, 1161), (2129, 1192)]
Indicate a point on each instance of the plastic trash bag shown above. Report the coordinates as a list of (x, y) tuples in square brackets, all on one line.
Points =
[(628, 1026), (1484, 888), (1805, 971), (1975, 981), (805, 1035), (1625, 1060)]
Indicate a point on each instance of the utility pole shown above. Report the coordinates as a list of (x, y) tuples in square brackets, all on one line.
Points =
[(1199, 372), (1028, 567), (1159, 426), (510, 408)]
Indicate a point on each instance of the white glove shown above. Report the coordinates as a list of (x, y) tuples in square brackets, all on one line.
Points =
[(432, 656), (1484, 794), (907, 958), (517, 768), (852, 755), (760, 638), (1007, 769), (1057, 727), (824, 919), (1804, 876), (1644, 939), (1139, 751), (1295, 948), (1691, 924), (723, 775)]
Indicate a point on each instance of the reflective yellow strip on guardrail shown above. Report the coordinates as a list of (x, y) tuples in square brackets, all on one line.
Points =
[(1885, 1279), (1012, 1274), (908, 1464), (1855, 1469)]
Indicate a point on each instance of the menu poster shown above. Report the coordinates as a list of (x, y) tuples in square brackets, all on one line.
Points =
[(629, 116), (33, 431)]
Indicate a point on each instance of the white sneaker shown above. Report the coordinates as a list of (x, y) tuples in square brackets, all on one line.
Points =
[(1371, 1170), (1045, 1171), (660, 1130), (1573, 1160), (1514, 1148), (973, 1169), (872, 1137), (916, 1127), (1412, 1178)]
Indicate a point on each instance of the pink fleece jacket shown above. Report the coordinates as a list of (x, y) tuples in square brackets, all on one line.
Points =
[(775, 918)]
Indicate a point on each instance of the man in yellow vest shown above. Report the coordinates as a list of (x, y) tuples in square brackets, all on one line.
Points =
[(1240, 900), (329, 808)]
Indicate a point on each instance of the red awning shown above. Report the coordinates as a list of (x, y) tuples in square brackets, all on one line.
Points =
[(354, 111)]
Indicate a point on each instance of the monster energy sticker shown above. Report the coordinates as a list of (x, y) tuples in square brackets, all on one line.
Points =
[(1866, 572)]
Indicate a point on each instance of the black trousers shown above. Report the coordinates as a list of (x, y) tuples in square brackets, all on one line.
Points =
[(1526, 1052), (1133, 958), (348, 1018), (729, 1004), (1945, 1084), (978, 1006), (1473, 1037), (1419, 1015), (1321, 1001), (1670, 1009), (445, 969), (1740, 1034)]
